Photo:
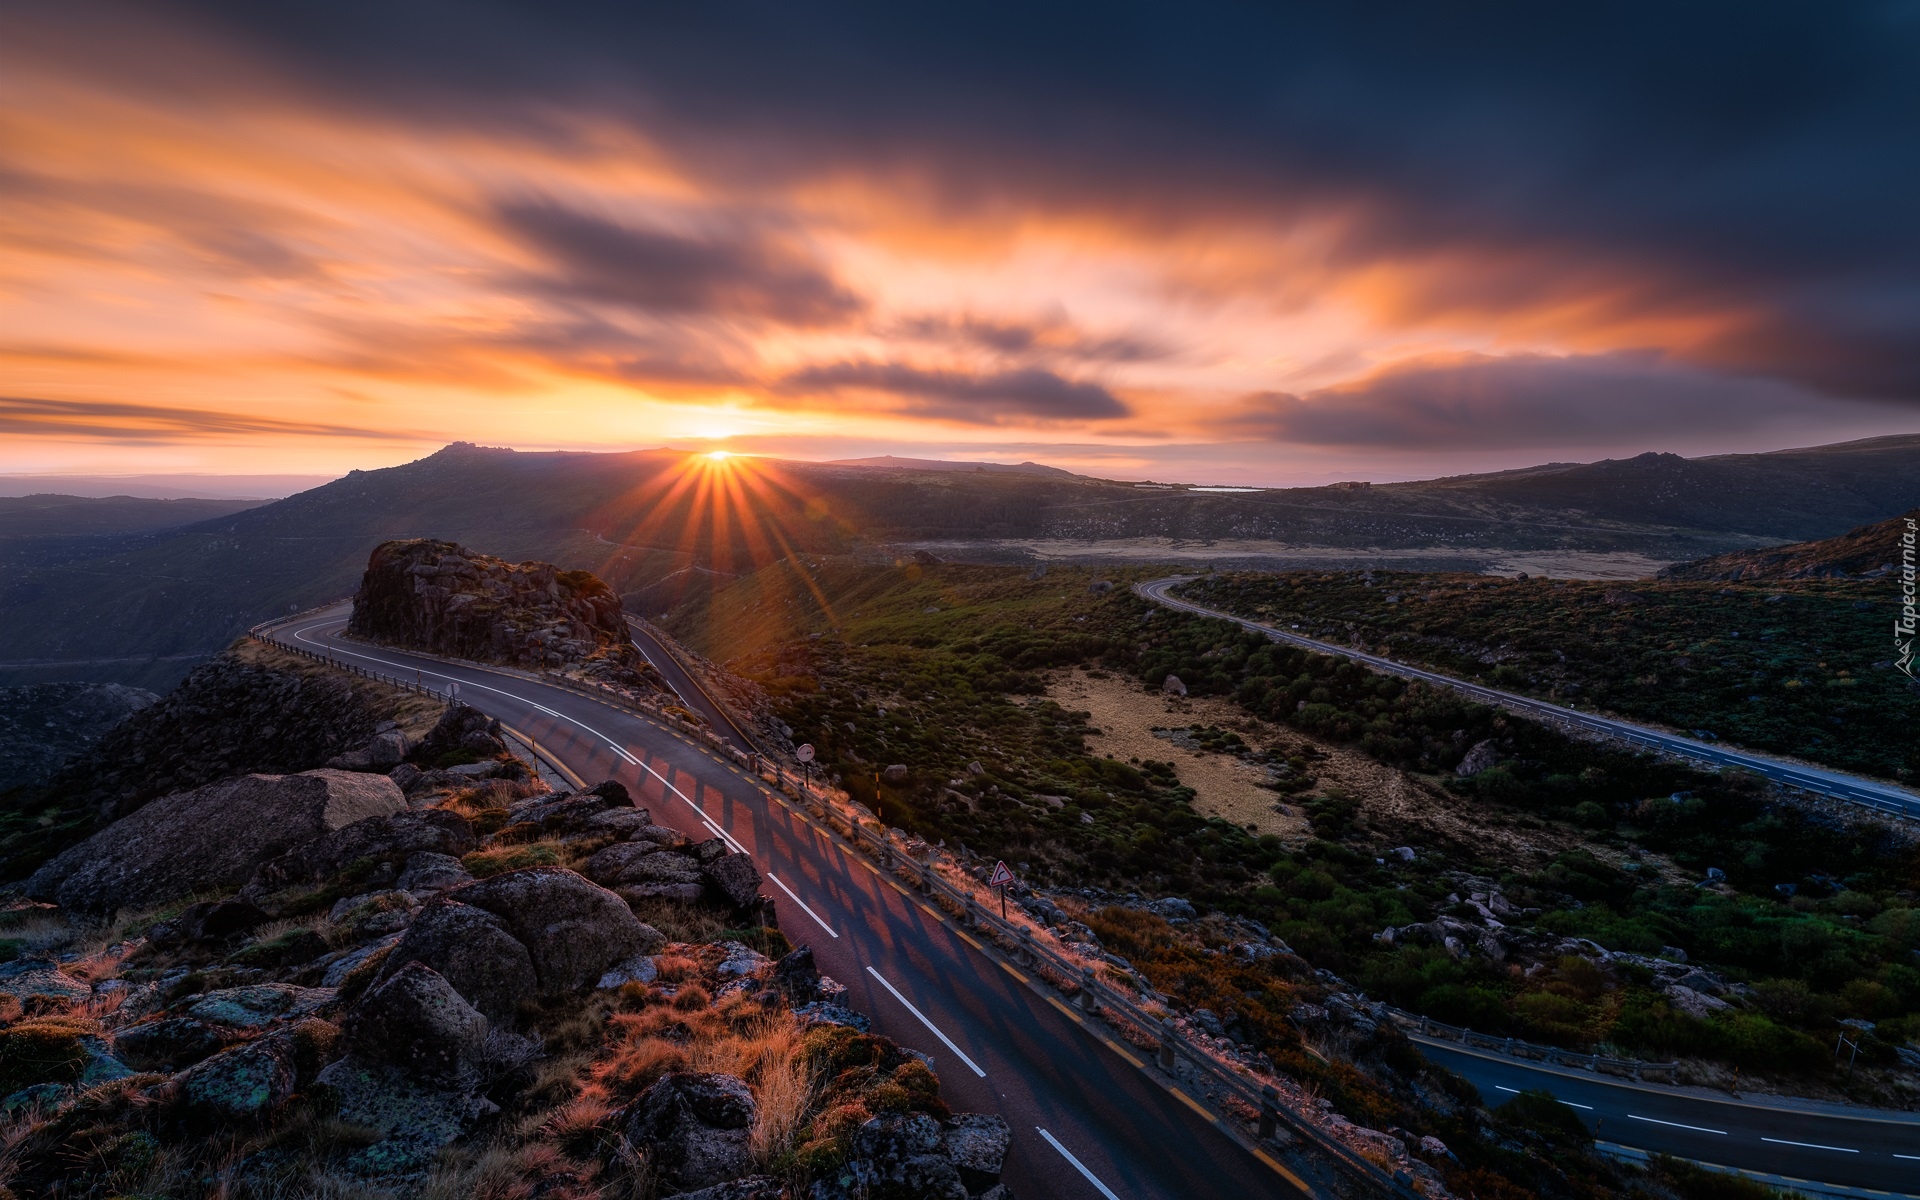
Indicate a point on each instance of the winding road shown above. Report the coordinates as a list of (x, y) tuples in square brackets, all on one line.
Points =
[(1793, 1141), (1089, 1121), (1873, 793)]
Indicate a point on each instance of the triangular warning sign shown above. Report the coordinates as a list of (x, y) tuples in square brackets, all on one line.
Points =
[(1001, 876)]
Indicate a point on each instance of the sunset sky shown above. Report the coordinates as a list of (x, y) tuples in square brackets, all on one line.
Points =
[(1228, 243)]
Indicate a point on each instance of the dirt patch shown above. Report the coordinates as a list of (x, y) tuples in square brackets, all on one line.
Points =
[(1124, 716)]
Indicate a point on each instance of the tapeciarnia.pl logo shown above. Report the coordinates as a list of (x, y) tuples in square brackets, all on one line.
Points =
[(1903, 625)]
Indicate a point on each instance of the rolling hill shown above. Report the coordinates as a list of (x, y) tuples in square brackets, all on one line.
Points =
[(659, 525)]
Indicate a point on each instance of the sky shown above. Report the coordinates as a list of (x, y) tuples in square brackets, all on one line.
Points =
[(1225, 243)]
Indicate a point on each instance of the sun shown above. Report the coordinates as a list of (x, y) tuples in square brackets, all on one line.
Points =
[(719, 455)]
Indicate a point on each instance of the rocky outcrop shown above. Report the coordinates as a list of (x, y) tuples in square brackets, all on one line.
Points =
[(701, 1126), (573, 929), (442, 597), (42, 725), (251, 711), (211, 837), (389, 840)]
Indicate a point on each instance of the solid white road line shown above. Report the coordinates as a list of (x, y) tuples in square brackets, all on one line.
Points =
[(717, 831), (1077, 1164), (803, 905), (1909, 1157), (1810, 1145), (947, 1041), (1676, 1125), (1557, 1100)]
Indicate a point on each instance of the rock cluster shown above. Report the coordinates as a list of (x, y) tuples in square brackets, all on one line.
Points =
[(211, 837), (439, 596), (42, 725), (243, 713)]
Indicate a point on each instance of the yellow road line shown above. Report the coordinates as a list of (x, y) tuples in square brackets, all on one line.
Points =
[(1117, 1048), (1071, 1015), (933, 912), (1285, 1174), (551, 759), (1189, 1101), (1009, 970), (969, 941), (895, 885)]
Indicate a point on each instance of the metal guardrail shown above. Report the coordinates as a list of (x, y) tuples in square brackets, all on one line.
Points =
[(1074, 980), (1630, 1068)]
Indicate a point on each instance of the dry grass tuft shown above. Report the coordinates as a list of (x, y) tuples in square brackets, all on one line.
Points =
[(692, 998), (680, 922)]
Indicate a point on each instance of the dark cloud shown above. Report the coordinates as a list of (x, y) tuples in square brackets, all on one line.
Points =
[(1758, 155), (1052, 338), (29, 416), (1749, 159), (738, 274), (1006, 397), (1482, 402)]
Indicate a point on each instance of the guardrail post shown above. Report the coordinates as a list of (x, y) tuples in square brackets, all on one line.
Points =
[(1027, 956), (1165, 1056), (1269, 1112), (1086, 999), (970, 916)]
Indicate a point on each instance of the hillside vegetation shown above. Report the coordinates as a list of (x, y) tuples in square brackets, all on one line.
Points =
[(1870, 551), (1791, 920), (1800, 668)]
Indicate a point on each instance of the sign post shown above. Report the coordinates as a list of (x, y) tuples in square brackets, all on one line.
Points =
[(998, 881), (804, 752)]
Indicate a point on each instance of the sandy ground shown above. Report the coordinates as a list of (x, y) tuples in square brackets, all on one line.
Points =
[(1225, 786)]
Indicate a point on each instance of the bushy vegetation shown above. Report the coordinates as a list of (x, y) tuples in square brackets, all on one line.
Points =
[(936, 669), (1798, 668)]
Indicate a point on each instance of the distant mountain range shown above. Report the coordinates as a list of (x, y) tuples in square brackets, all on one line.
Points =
[(141, 607), (887, 462), (70, 516)]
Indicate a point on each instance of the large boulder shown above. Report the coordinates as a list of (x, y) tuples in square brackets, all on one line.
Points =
[(898, 1156), (472, 949), (735, 878), (977, 1143), (574, 929), (212, 837), (415, 1020), (608, 867), (248, 1083), (698, 1125), (388, 838), (167, 1044)]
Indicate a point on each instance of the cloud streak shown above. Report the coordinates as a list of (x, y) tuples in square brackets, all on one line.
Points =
[(739, 274), (996, 398), (146, 424), (1479, 402)]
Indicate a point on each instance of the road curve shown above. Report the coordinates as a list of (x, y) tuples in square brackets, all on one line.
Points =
[(999, 1045), (1870, 1149), (1872, 793), (688, 688)]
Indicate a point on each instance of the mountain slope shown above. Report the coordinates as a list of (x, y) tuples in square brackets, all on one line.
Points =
[(140, 608), (1869, 550)]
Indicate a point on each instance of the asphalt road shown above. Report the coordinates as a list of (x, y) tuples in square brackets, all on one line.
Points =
[(1872, 793), (1087, 1122), (688, 688), (1862, 1148)]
